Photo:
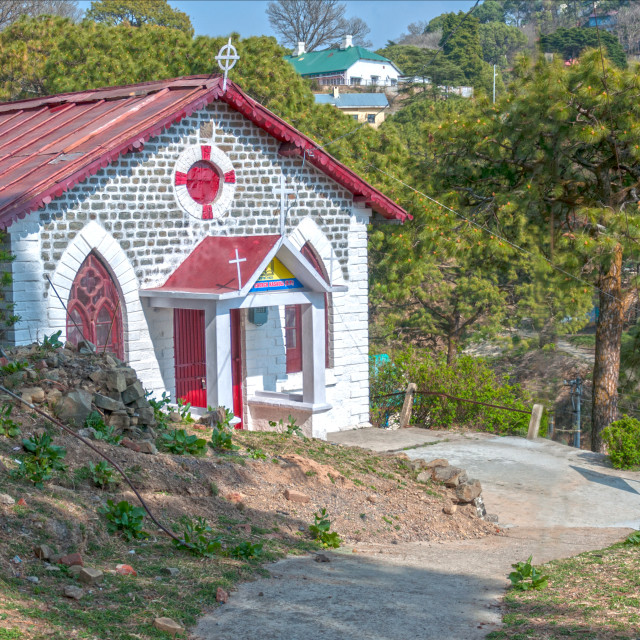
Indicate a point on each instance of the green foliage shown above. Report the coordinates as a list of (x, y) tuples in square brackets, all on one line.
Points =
[(125, 519), (256, 453), (622, 439), (139, 12), (14, 367), (500, 42), (178, 442), (321, 530), (102, 431), (570, 43), (159, 408), (526, 576), (633, 538), (222, 438), (103, 474), (42, 459), (246, 550), (469, 378), (184, 409), (290, 429), (52, 342), (8, 427), (198, 536)]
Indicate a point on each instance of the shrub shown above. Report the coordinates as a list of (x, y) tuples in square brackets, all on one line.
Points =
[(221, 437), (184, 409), (468, 378), (52, 342), (289, 429), (7, 426), (124, 518), (158, 406), (320, 530), (198, 537), (103, 432), (526, 576), (103, 474), (246, 550), (42, 460), (178, 442), (622, 438)]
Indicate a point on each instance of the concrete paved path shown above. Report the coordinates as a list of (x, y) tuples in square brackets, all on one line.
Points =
[(554, 501)]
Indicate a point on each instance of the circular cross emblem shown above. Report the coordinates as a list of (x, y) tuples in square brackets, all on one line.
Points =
[(204, 182)]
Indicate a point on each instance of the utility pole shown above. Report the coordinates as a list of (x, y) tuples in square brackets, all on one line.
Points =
[(494, 84)]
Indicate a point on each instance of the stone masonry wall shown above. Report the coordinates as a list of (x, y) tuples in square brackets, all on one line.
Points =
[(128, 213)]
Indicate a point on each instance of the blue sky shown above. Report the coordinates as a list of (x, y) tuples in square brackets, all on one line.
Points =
[(386, 19)]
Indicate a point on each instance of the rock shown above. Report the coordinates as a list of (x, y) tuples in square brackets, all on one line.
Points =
[(130, 444), (449, 475), (89, 575), (424, 476), (107, 403), (450, 508), (72, 559), (320, 557), (469, 491), (168, 625), (296, 496), (133, 392), (98, 376), (457, 479), (491, 517), (372, 499), (170, 571), (43, 552), (54, 396), (111, 361), (74, 407), (438, 462), (146, 415), (85, 347), (236, 497), (33, 395), (130, 377), (115, 381), (417, 465), (89, 433), (22, 502), (6, 499), (71, 591), (118, 419), (222, 596), (55, 558), (52, 569), (75, 570), (126, 570), (33, 579), (174, 416), (146, 446), (478, 503)]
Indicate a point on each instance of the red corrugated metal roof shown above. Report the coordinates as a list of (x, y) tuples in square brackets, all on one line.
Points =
[(48, 145), (208, 268)]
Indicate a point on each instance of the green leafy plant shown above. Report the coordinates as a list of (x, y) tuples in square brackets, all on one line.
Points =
[(321, 530), (124, 518), (633, 538), (526, 576), (622, 439), (7, 426), (52, 342), (221, 437), (198, 536), (246, 550), (159, 406), (103, 474), (256, 454), (184, 409), (42, 460), (102, 431), (289, 429), (178, 442), (14, 367)]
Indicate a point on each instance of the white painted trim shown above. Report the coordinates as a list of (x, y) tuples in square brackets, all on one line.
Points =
[(95, 238)]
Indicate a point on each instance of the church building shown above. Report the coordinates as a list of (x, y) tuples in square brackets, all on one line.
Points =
[(184, 227)]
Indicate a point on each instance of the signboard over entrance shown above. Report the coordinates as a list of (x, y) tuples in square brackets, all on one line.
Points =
[(276, 277)]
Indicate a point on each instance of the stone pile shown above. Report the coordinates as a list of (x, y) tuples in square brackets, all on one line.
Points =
[(73, 381)]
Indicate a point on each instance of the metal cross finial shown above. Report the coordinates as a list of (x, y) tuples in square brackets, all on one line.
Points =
[(283, 192), (237, 262), (227, 58)]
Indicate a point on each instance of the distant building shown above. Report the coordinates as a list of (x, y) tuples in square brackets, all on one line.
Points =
[(363, 107), (605, 20), (348, 65)]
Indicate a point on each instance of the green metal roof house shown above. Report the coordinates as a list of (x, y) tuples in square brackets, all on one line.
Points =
[(347, 65)]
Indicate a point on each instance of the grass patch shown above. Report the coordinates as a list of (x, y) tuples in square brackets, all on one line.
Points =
[(594, 596)]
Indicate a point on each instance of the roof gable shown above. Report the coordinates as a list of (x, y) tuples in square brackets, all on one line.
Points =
[(333, 60), (48, 145)]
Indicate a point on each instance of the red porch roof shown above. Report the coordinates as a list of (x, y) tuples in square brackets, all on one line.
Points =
[(48, 145)]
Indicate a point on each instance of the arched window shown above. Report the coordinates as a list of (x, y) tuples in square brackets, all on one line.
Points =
[(293, 318), (95, 308)]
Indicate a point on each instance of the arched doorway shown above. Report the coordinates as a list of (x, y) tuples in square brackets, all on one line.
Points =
[(95, 308)]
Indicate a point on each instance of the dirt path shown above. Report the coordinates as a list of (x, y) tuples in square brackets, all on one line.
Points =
[(554, 502)]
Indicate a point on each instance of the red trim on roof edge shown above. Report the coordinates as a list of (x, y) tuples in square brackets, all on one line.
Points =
[(237, 100)]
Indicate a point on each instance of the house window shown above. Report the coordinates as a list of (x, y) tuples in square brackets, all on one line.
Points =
[(371, 118), (356, 81), (375, 79), (355, 116)]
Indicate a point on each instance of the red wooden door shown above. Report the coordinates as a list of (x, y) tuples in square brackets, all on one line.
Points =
[(95, 309), (236, 366), (190, 356), (293, 337)]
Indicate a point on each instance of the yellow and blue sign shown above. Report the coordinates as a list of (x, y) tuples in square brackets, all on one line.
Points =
[(276, 277)]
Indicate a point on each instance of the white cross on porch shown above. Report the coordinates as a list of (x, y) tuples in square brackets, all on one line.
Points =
[(237, 262)]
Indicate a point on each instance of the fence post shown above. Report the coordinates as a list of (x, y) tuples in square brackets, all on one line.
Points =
[(405, 414), (534, 423)]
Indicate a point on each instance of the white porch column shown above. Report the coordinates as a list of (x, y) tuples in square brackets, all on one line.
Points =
[(217, 332), (313, 352)]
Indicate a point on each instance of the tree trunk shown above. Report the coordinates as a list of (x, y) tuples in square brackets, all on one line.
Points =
[(607, 360), (452, 349)]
